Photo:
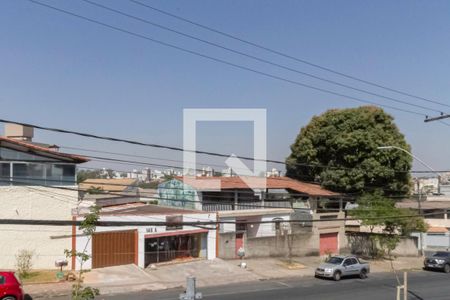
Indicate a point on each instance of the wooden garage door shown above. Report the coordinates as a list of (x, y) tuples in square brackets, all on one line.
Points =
[(328, 243), (114, 248)]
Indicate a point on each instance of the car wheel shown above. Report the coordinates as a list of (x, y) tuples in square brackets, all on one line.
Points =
[(363, 274), (447, 268), (9, 298), (337, 276)]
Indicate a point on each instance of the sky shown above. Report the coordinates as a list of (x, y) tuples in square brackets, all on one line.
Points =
[(60, 71)]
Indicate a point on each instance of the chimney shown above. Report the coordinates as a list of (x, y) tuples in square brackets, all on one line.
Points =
[(19, 132)]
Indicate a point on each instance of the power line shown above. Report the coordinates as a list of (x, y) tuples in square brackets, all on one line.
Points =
[(255, 57), (286, 55), (200, 223), (173, 46), (210, 164), (113, 139)]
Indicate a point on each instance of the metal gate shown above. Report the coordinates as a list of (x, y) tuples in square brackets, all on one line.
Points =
[(328, 243), (114, 248)]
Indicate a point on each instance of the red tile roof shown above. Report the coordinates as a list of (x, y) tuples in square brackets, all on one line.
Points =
[(206, 183), (437, 230), (44, 151)]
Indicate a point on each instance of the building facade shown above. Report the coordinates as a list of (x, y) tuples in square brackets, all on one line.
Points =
[(37, 183), (144, 245), (282, 206)]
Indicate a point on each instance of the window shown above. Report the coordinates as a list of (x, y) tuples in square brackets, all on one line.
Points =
[(441, 254), (277, 224), (28, 173), (2, 279), (5, 173), (241, 226), (60, 174), (350, 262), (335, 260), (42, 174), (173, 222)]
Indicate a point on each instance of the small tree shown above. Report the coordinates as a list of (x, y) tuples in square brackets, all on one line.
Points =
[(88, 226), (374, 211), (94, 190), (24, 262)]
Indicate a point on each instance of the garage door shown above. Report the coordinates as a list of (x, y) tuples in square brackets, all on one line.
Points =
[(114, 248), (328, 243)]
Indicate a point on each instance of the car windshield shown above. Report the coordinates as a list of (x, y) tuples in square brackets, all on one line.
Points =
[(440, 254), (335, 260)]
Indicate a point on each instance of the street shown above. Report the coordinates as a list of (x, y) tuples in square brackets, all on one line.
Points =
[(422, 285)]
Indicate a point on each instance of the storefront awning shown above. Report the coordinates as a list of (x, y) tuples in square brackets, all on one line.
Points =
[(174, 233)]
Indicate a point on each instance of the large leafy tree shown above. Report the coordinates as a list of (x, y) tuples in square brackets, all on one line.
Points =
[(342, 147)]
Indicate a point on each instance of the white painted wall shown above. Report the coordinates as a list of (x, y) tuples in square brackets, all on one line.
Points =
[(228, 227), (83, 242), (254, 230), (265, 229), (47, 242)]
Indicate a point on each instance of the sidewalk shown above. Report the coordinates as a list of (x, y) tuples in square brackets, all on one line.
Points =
[(129, 278)]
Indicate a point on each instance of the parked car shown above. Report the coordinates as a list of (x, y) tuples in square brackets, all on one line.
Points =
[(10, 287), (337, 267), (438, 261)]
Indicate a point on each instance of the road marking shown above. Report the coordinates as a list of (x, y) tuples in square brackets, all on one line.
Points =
[(284, 284)]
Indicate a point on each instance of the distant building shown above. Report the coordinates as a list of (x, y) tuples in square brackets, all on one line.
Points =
[(437, 216), (426, 185)]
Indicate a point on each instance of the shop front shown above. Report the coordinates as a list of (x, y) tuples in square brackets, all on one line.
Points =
[(176, 245)]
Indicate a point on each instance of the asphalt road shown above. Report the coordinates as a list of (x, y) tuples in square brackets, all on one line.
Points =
[(422, 285)]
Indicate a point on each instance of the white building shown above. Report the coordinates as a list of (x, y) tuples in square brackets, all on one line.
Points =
[(426, 185), (32, 175), (147, 244)]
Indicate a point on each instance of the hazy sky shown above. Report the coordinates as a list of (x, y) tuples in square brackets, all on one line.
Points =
[(60, 71)]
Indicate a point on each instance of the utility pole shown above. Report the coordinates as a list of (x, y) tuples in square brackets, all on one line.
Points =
[(403, 287), (442, 116), (190, 293), (419, 207)]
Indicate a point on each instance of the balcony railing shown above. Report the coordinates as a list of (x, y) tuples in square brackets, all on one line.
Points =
[(245, 205)]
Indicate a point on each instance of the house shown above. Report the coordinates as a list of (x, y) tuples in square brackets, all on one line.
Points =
[(113, 185), (107, 192), (37, 183), (262, 213), (437, 216), (146, 244)]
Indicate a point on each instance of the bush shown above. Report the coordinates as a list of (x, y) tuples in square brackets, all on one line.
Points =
[(24, 262)]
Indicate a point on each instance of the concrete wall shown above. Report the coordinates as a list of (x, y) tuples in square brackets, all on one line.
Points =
[(47, 242), (406, 247), (254, 230), (265, 229), (83, 242), (435, 241), (359, 244), (227, 245), (302, 245)]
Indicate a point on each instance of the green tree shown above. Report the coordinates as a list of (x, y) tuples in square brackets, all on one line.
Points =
[(376, 211), (88, 226), (342, 144)]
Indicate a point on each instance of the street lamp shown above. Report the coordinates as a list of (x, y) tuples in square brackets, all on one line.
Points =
[(416, 158), (419, 189), (410, 154)]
